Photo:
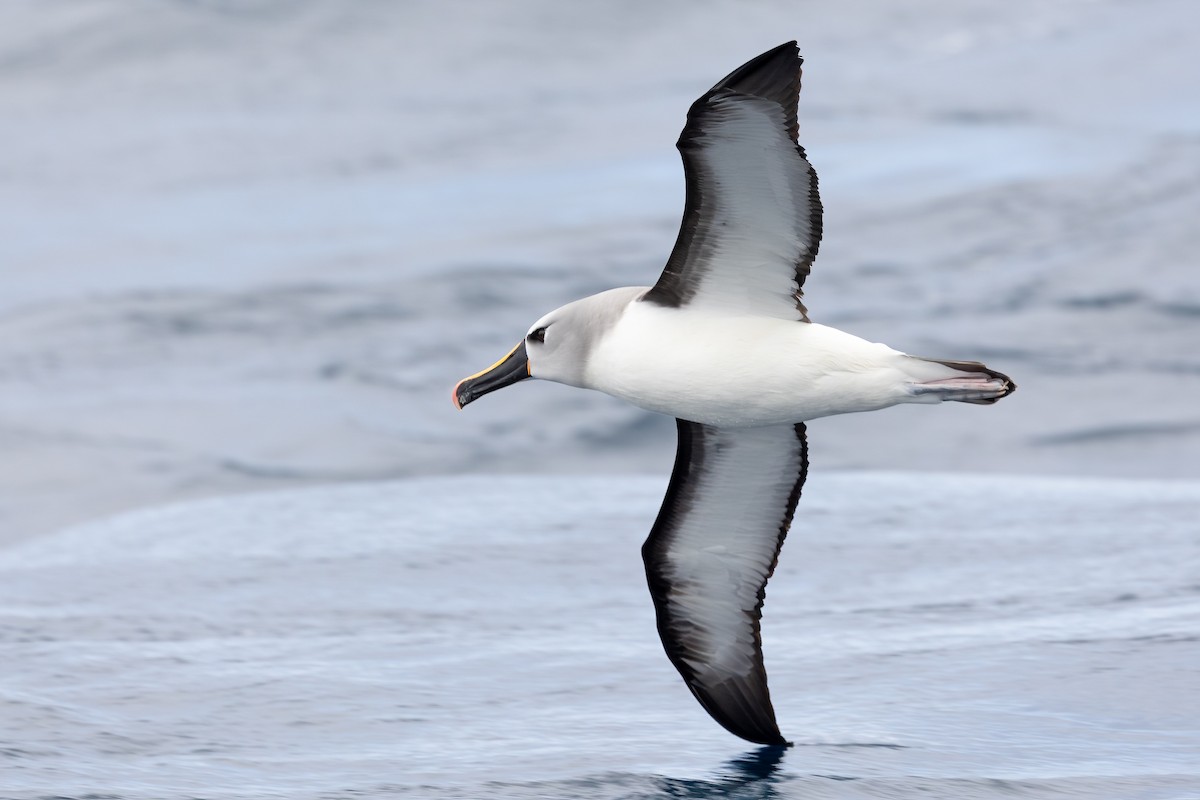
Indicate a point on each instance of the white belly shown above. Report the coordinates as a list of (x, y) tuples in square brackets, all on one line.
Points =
[(742, 371)]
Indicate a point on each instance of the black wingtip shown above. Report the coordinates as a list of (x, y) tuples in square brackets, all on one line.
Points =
[(742, 707), (779, 744), (763, 70), (773, 75), (766, 740)]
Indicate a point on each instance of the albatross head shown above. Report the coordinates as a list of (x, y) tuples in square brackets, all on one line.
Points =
[(556, 348)]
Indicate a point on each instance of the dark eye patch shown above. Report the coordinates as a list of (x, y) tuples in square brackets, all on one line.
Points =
[(538, 336)]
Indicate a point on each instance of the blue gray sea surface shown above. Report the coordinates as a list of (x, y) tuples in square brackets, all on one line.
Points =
[(249, 549), (926, 635)]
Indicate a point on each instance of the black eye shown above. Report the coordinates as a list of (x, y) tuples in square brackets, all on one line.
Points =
[(538, 336)]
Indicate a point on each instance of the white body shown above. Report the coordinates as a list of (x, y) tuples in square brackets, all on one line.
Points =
[(738, 370)]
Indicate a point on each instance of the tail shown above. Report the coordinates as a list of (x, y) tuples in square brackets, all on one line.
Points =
[(962, 381)]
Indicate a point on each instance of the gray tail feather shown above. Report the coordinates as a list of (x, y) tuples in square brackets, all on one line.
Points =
[(975, 366)]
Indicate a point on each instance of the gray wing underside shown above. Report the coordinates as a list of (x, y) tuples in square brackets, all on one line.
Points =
[(708, 557), (752, 218)]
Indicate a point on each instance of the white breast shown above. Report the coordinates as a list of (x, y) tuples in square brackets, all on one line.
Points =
[(721, 369)]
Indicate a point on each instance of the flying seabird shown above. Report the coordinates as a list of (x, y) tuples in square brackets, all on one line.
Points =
[(723, 343)]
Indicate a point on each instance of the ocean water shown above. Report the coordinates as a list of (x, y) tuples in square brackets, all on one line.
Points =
[(250, 246), (926, 635)]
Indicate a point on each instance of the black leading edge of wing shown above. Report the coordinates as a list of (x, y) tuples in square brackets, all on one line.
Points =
[(753, 210), (708, 557)]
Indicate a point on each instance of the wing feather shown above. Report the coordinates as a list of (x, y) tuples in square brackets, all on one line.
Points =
[(708, 557), (752, 218)]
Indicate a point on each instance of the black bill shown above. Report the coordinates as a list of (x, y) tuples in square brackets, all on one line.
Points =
[(508, 370)]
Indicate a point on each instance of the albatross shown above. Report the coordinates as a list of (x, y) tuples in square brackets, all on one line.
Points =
[(723, 343)]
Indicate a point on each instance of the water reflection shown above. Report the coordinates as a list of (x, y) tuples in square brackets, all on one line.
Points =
[(753, 776)]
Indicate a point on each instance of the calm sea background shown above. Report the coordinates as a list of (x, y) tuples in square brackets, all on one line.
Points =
[(249, 549)]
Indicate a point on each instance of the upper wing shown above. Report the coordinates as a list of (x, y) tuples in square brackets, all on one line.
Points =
[(708, 558), (752, 219)]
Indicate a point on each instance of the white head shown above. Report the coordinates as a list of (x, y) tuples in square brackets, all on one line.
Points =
[(556, 348)]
